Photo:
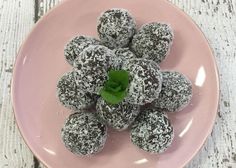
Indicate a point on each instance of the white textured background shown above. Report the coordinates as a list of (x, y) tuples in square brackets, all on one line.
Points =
[(216, 18)]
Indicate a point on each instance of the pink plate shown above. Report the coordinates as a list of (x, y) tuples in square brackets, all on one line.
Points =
[(40, 63)]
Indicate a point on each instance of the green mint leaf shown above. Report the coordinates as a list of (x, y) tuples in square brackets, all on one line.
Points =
[(114, 90), (120, 77), (112, 97), (112, 84)]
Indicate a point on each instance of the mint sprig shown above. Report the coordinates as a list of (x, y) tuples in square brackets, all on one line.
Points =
[(115, 88)]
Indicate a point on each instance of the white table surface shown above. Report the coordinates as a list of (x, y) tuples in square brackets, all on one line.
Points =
[(216, 18)]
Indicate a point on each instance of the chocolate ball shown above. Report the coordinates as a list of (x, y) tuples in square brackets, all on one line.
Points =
[(152, 131), (118, 116), (92, 67), (123, 54), (71, 96), (116, 28), (145, 81), (75, 46), (83, 134), (153, 41), (176, 92)]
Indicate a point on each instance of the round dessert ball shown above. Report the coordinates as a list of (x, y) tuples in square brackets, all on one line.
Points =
[(123, 54), (92, 66), (83, 134), (116, 27), (152, 131), (176, 92), (153, 41), (118, 116), (76, 46), (145, 81), (71, 96)]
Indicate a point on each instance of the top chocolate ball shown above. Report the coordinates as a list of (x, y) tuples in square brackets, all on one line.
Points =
[(153, 41), (91, 68), (116, 27), (145, 81), (74, 47)]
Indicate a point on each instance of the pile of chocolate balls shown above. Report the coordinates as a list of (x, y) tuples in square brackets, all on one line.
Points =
[(150, 95)]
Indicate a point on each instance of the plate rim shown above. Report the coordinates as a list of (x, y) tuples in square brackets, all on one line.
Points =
[(40, 21)]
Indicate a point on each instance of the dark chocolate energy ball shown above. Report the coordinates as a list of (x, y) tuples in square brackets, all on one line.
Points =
[(176, 92), (145, 83), (71, 96), (76, 46), (123, 54), (152, 131), (116, 28), (153, 41), (118, 116), (92, 66), (83, 134)]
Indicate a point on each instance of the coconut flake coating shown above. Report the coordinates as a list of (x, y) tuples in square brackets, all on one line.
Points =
[(83, 134), (153, 41), (116, 27), (152, 131), (176, 92), (118, 116), (123, 54), (71, 96), (145, 82), (92, 66), (76, 46)]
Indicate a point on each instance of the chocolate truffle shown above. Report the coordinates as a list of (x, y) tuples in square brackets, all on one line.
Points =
[(83, 134), (153, 41), (152, 131), (71, 96), (118, 116), (145, 83), (92, 66), (176, 92), (123, 54), (76, 46), (116, 27)]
